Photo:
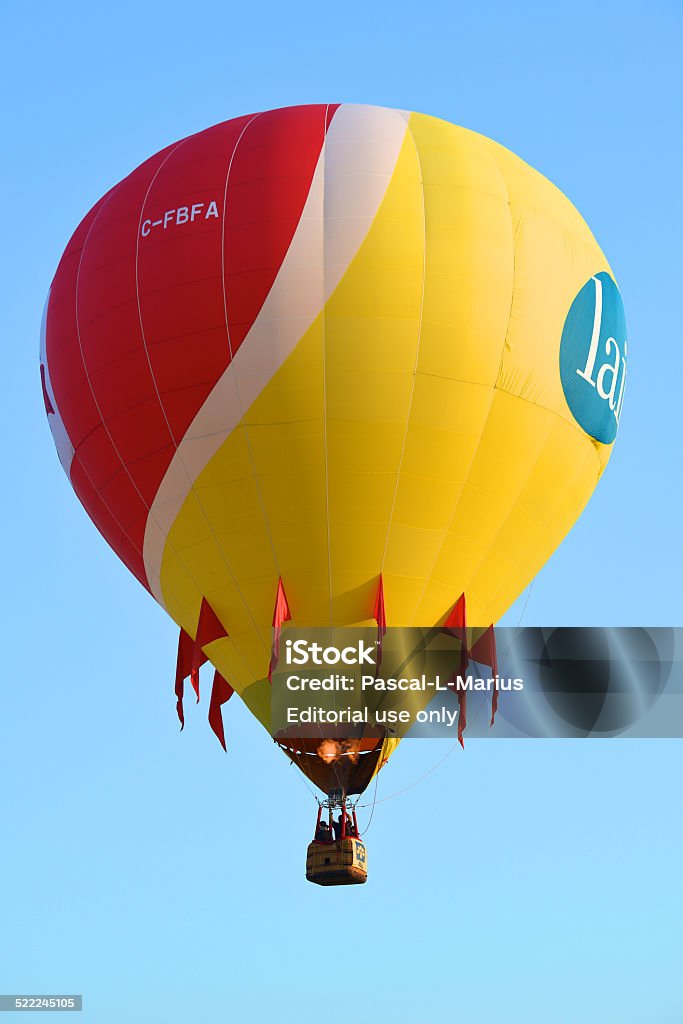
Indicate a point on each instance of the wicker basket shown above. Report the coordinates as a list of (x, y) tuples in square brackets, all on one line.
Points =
[(343, 862)]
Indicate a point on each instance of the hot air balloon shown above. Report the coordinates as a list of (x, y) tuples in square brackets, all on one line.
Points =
[(331, 365)]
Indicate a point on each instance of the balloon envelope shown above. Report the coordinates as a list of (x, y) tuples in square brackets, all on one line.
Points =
[(323, 343)]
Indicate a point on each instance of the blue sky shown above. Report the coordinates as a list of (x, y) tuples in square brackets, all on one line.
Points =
[(519, 882)]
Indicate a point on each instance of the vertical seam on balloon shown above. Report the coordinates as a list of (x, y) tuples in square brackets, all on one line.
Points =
[(243, 424), (237, 389), (161, 404), (116, 519), (324, 373), (336, 767), (515, 502), (488, 412), (324, 155), (417, 347), (232, 356), (473, 573), (543, 522)]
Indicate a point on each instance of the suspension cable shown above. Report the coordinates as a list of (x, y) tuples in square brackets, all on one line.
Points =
[(450, 750)]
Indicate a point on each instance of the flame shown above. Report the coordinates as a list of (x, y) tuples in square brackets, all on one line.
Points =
[(350, 750), (332, 750), (329, 751)]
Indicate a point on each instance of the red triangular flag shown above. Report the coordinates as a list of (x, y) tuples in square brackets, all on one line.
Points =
[(484, 651), (462, 715), (209, 628), (462, 704), (379, 613), (221, 692), (194, 679), (281, 614), (457, 617), (456, 623), (183, 669)]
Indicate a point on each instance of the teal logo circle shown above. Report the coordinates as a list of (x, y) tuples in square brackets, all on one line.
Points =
[(593, 353)]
